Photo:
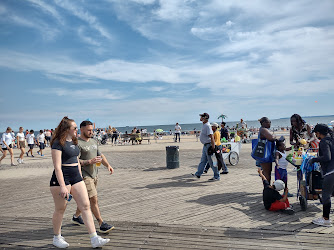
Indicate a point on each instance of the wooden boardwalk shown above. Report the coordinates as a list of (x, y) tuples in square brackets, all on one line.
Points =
[(157, 208)]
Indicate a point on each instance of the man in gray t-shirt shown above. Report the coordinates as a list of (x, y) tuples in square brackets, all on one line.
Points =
[(90, 158), (206, 138)]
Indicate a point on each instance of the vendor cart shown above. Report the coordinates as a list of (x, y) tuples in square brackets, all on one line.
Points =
[(231, 152), (309, 180)]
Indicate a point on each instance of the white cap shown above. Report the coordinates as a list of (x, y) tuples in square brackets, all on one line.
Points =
[(214, 124), (279, 185)]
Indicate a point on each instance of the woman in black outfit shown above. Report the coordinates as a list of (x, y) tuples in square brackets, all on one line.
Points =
[(326, 160)]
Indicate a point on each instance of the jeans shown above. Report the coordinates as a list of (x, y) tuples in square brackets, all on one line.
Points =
[(177, 135), (207, 158), (225, 169)]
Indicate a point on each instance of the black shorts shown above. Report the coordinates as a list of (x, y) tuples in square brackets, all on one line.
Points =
[(31, 146), (41, 145), (47, 138), (71, 176), (10, 146)]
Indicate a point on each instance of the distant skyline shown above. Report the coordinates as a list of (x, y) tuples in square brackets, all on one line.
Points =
[(147, 62)]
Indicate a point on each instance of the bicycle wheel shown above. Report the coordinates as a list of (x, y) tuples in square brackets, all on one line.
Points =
[(233, 158)]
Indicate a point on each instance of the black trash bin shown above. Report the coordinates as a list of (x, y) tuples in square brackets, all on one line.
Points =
[(172, 156)]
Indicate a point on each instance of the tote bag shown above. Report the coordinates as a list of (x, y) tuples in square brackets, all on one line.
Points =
[(263, 150)]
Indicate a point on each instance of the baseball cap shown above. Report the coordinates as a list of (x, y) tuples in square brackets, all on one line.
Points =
[(321, 128), (279, 185), (214, 124), (206, 115)]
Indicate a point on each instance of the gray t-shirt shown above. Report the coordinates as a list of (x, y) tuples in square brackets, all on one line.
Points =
[(206, 131), (88, 150)]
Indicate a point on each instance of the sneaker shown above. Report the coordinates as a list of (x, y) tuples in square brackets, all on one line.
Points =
[(60, 242), (290, 195), (22, 162), (42, 155), (27, 154), (205, 171), (289, 211), (38, 152), (19, 160), (214, 179), (105, 227), (13, 164), (98, 241), (32, 156), (224, 172), (322, 222), (196, 176), (78, 220)]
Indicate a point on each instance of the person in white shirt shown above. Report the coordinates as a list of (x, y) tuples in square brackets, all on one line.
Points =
[(21, 144), (41, 142), (7, 141), (177, 131), (31, 142), (48, 137)]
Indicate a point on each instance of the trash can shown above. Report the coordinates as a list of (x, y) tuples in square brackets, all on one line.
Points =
[(172, 156)]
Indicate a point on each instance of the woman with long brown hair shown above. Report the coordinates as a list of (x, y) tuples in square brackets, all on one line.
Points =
[(66, 179)]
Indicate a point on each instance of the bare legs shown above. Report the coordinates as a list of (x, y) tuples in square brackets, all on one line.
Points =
[(95, 209), (80, 195), (5, 154), (267, 168), (22, 152)]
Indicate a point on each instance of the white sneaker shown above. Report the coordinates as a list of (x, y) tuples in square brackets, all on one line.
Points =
[(98, 241), (22, 162), (19, 160), (322, 222), (60, 242)]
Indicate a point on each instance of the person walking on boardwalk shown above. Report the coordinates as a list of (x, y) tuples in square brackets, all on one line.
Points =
[(31, 142), (7, 140), (41, 142), (177, 131), (326, 160), (21, 144), (66, 179), (220, 160), (90, 159), (206, 138)]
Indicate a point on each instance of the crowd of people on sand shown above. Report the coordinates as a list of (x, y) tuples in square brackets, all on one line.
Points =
[(76, 159)]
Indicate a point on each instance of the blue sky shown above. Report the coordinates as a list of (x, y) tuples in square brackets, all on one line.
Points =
[(146, 62)]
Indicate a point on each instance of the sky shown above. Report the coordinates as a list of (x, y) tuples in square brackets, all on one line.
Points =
[(147, 62)]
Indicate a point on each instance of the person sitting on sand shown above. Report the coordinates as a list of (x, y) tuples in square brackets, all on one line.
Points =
[(272, 199)]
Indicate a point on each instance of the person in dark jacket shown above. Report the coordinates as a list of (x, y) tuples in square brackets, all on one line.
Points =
[(326, 160)]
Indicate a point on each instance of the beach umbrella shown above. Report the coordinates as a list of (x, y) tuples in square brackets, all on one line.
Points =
[(159, 130)]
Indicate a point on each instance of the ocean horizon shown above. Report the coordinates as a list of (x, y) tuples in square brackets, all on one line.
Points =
[(275, 123)]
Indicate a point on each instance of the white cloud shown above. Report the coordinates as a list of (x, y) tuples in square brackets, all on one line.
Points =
[(174, 10), (48, 9), (87, 39), (47, 32), (86, 94), (85, 16), (157, 89)]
